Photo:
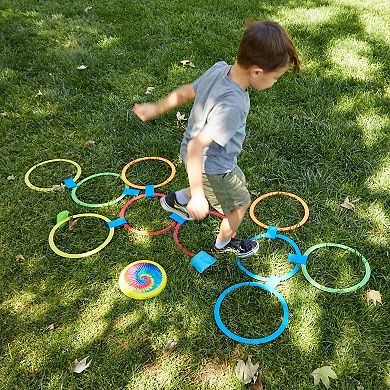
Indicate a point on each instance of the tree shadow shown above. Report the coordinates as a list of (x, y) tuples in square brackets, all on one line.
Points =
[(295, 139)]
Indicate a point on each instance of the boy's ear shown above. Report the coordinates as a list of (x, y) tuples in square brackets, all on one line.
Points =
[(255, 71)]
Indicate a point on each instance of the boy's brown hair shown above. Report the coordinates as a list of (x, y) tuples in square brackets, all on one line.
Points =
[(267, 45)]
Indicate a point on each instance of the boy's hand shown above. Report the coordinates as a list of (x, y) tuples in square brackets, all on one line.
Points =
[(198, 207), (146, 111)]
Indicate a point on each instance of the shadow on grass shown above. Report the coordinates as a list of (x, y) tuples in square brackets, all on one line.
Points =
[(310, 136)]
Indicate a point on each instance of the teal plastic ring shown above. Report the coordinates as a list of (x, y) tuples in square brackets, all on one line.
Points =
[(78, 201), (337, 290)]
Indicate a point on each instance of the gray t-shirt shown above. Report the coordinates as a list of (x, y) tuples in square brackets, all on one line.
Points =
[(220, 108)]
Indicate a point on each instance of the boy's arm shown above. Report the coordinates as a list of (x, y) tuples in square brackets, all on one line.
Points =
[(176, 98), (198, 206)]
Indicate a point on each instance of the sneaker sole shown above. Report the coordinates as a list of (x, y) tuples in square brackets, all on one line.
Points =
[(166, 207)]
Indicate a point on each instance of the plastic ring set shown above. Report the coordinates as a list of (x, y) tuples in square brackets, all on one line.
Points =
[(145, 279)]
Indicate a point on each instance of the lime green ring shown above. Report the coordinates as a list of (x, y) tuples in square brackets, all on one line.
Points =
[(49, 189), (84, 254), (78, 201), (337, 290), (142, 295)]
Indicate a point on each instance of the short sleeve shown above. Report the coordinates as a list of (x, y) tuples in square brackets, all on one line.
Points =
[(206, 74), (195, 84), (223, 122)]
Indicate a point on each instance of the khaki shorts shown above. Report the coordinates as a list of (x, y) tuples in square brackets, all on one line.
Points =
[(226, 192)]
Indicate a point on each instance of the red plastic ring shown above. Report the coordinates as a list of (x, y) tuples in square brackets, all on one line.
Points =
[(143, 232), (176, 234)]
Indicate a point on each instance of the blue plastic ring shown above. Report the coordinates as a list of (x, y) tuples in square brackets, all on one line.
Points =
[(282, 278), (245, 340)]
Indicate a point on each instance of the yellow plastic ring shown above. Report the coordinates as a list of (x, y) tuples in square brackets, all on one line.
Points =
[(285, 229), (129, 183), (27, 175), (85, 254)]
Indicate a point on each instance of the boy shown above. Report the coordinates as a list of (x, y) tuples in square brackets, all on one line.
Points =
[(216, 130)]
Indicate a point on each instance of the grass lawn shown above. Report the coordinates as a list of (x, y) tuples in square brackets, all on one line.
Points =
[(323, 135)]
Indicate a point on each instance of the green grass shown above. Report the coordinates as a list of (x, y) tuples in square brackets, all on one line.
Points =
[(323, 135)]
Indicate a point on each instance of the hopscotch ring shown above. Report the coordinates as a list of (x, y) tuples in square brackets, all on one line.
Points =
[(84, 254), (143, 232), (49, 189), (285, 229), (142, 279), (129, 183), (78, 201), (282, 278), (176, 234), (337, 290), (245, 340)]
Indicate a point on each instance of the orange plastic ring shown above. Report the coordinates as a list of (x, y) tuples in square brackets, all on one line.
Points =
[(285, 229), (129, 183)]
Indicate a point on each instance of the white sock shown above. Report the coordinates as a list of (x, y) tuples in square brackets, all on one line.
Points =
[(221, 244), (182, 197)]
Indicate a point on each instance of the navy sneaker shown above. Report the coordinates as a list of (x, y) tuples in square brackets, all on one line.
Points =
[(169, 203), (243, 248)]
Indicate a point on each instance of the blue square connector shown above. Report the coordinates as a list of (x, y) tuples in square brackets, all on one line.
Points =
[(179, 219), (116, 222), (70, 183), (202, 261), (149, 191), (297, 259), (271, 232), (131, 191)]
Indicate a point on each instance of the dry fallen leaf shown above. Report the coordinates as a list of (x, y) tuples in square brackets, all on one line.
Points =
[(50, 327), (323, 374), (87, 9), (19, 257), (246, 371), (149, 90), (3, 114), (39, 94), (257, 385), (169, 347), (89, 144), (187, 63), (58, 187), (72, 223), (11, 177), (374, 296), (180, 117), (347, 204), (79, 367), (82, 67)]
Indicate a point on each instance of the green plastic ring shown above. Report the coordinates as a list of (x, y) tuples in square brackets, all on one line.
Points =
[(337, 290), (78, 201)]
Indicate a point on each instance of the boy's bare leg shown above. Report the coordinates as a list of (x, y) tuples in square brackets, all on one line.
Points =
[(231, 222)]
